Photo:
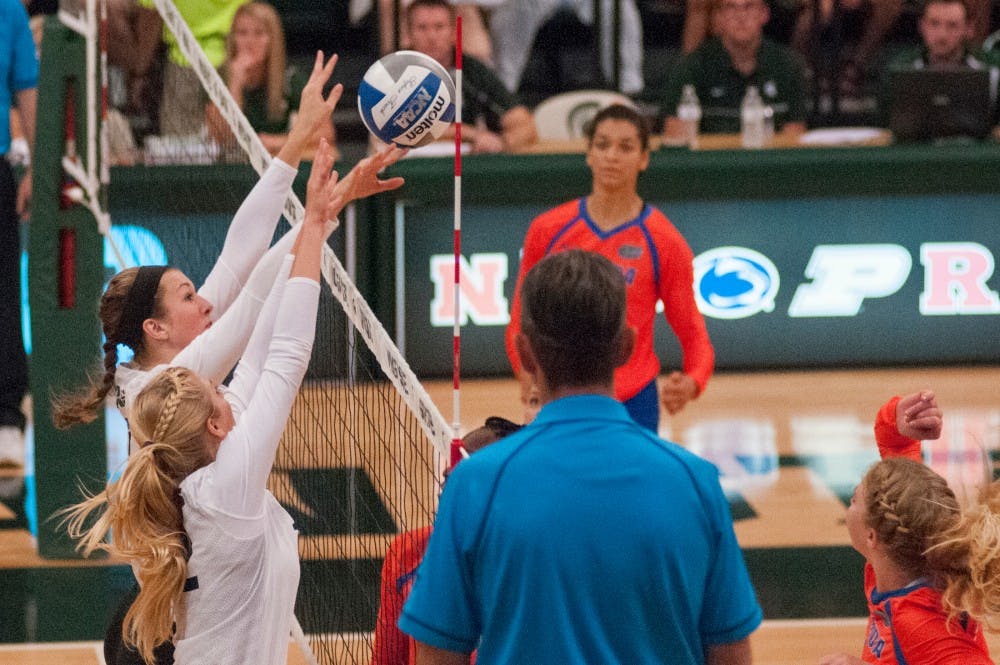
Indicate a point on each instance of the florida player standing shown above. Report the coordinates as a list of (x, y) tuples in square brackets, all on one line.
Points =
[(655, 259)]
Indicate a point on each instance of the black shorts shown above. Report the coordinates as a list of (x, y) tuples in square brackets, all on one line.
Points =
[(116, 652)]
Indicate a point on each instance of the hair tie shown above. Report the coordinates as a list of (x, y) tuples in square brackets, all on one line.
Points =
[(147, 443), (139, 305)]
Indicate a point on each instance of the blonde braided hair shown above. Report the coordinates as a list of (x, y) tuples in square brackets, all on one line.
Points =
[(143, 508), (909, 506)]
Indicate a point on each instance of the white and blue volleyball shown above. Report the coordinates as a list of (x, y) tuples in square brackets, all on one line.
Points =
[(407, 98)]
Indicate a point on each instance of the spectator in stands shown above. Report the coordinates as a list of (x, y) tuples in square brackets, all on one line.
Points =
[(723, 67), (876, 18), (134, 48), (850, 32), (944, 28), (536, 546), (516, 27), (182, 104), (255, 72), (18, 83), (495, 120), (475, 37), (392, 647)]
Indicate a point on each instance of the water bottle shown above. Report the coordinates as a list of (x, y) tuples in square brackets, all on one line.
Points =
[(689, 113), (752, 117), (768, 124)]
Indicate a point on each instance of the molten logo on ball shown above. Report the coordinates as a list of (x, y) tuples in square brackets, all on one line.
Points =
[(407, 98)]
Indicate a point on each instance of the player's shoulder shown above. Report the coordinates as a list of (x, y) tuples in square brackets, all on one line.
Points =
[(558, 215), (918, 612), (660, 227), (552, 221)]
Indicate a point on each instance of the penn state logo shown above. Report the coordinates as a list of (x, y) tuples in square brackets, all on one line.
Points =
[(734, 283)]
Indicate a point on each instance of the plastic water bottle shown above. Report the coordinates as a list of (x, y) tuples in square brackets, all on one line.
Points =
[(752, 119), (768, 124), (689, 113)]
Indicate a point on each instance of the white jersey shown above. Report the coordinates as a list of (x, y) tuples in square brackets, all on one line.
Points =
[(243, 572), (237, 286)]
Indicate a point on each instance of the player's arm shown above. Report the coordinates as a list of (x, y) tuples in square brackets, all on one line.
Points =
[(681, 311), (672, 128), (903, 422), (731, 653), (519, 130), (428, 655), (26, 105)]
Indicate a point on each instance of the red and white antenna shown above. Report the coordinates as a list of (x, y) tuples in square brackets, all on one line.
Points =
[(457, 451)]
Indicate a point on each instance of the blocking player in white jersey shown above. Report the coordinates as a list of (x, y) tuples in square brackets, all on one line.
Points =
[(215, 553)]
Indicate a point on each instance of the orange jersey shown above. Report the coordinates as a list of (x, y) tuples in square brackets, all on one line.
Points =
[(657, 264), (908, 627), (399, 570), (392, 646)]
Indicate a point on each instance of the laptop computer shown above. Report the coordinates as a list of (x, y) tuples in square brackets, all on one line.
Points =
[(930, 104)]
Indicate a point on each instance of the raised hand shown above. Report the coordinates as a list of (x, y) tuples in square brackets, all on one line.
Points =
[(918, 416), (363, 179), (676, 391), (314, 109), (323, 201)]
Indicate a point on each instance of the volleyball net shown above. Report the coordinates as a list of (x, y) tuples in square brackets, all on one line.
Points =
[(362, 453)]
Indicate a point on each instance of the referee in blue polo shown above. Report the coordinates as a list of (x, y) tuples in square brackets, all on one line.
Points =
[(583, 537)]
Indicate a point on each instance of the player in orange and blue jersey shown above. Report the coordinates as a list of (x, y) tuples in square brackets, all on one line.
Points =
[(399, 570), (930, 568), (653, 256)]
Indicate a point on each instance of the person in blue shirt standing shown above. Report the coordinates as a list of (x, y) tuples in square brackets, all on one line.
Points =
[(582, 538), (18, 83)]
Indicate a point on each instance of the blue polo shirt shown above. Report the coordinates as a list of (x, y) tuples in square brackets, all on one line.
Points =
[(18, 62), (583, 538)]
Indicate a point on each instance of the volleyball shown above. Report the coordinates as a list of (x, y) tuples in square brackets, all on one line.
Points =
[(407, 98)]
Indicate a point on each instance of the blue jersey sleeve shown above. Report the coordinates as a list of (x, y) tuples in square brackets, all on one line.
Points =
[(441, 609), (731, 611), (25, 59)]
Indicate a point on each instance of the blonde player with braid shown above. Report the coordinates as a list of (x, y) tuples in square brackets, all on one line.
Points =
[(216, 555), (932, 575)]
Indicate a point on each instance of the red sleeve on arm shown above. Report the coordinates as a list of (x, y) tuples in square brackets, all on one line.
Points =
[(681, 310), (534, 251), (890, 442), (391, 646)]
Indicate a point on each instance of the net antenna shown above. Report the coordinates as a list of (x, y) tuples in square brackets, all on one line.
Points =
[(88, 182), (457, 450), (313, 416)]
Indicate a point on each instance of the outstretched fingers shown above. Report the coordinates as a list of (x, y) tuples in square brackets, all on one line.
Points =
[(319, 178)]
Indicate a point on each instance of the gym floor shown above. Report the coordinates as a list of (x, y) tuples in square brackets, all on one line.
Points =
[(791, 446)]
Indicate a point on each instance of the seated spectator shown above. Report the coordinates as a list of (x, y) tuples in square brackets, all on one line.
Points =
[(392, 646), (475, 37), (848, 31), (944, 31), (266, 90), (724, 67), (182, 104), (493, 119)]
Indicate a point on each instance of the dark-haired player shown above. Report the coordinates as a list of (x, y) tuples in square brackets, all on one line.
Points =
[(654, 258)]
